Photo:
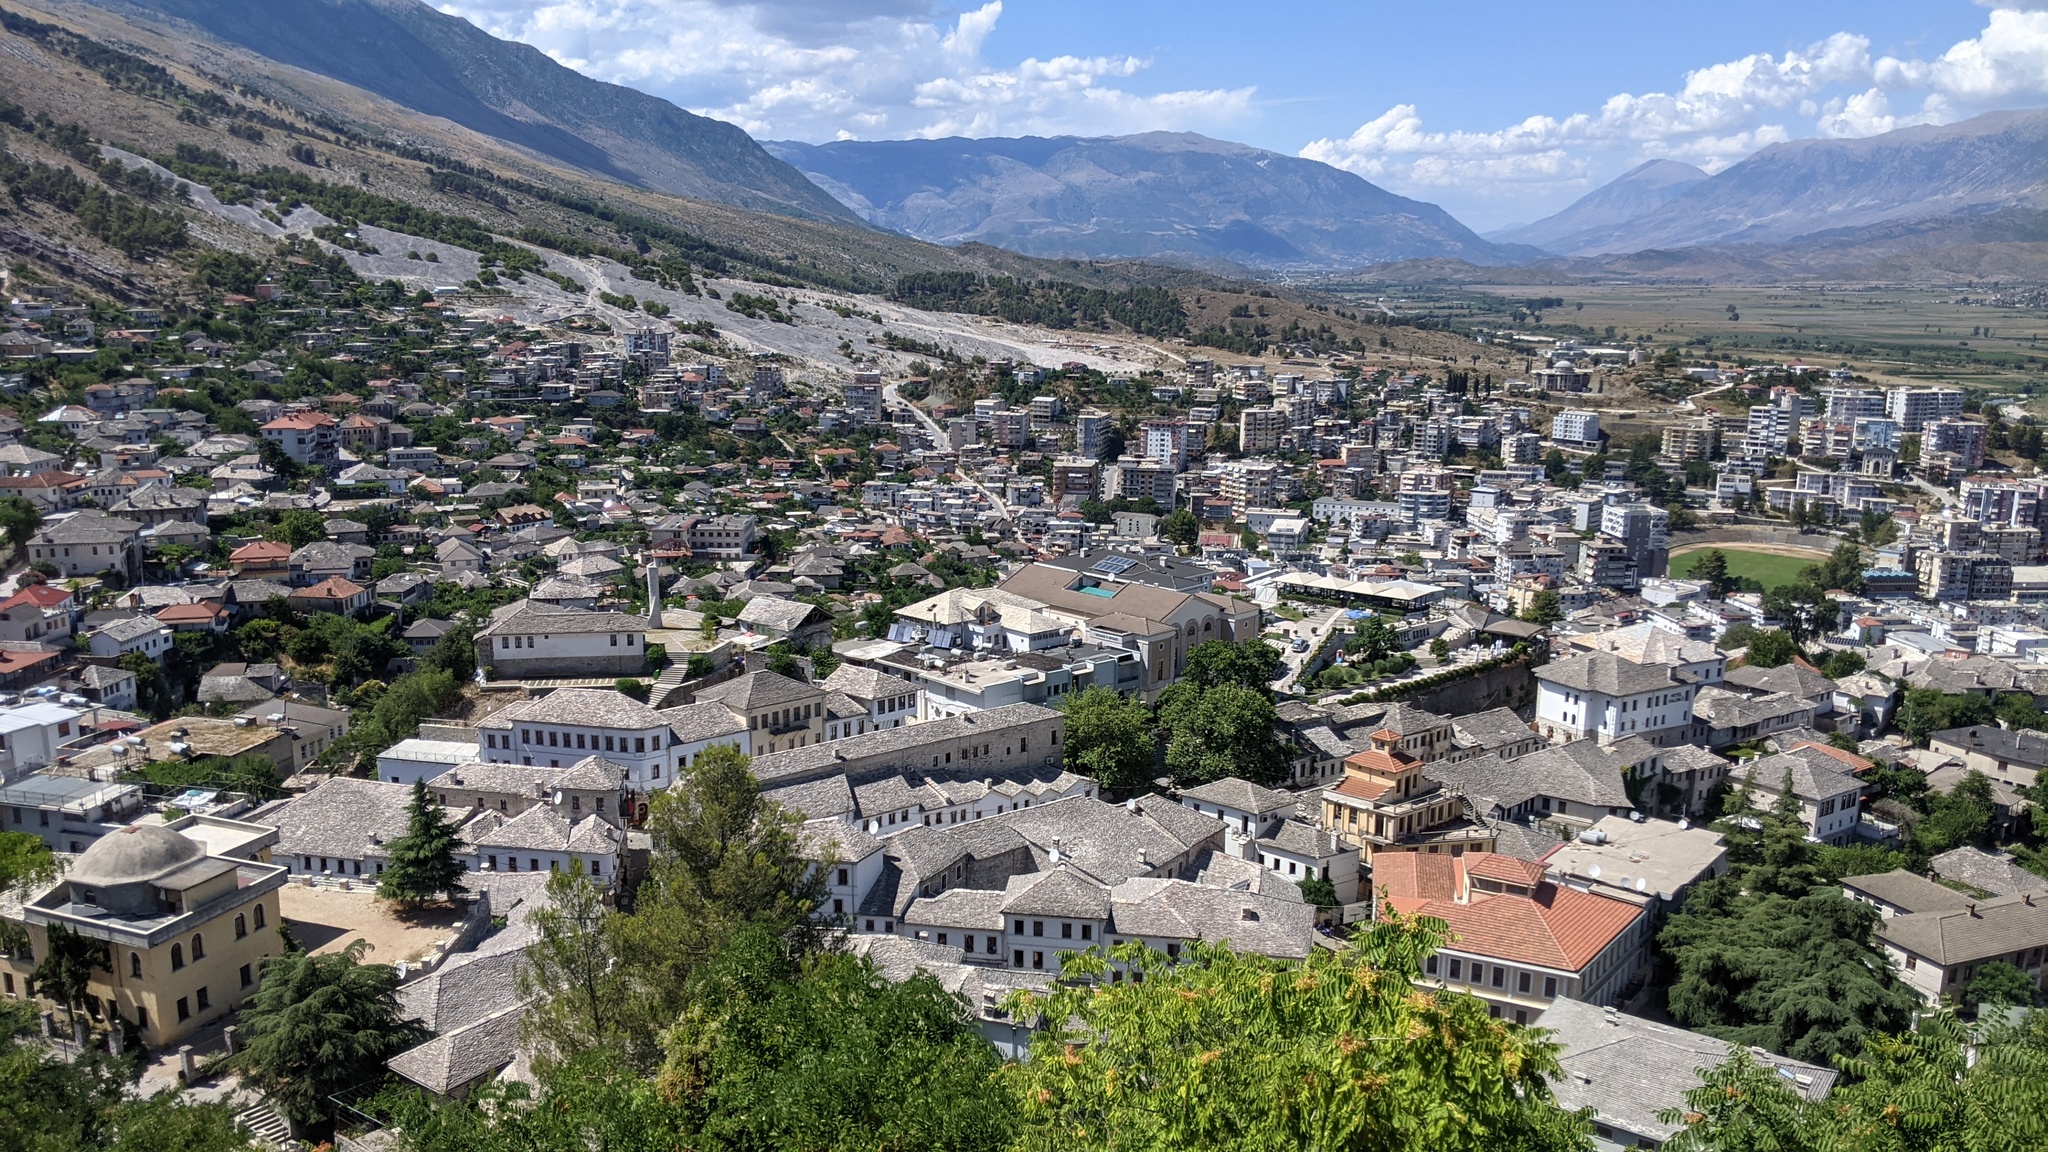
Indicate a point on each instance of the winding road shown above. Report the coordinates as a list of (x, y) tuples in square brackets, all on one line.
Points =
[(891, 398)]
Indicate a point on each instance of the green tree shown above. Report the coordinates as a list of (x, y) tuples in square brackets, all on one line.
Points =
[(422, 862), (1224, 731), (1110, 740), (1214, 663), (1842, 570), (1929, 710), (1772, 649), (1440, 649), (1180, 527), (297, 527), (1743, 1106), (67, 966), (1344, 1050), (1711, 566), (1804, 610), (1840, 665), (1960, 817), (1998, 983), (19, 519), (1374, 638), (579, 975), (1544, 608), (319, 1024)]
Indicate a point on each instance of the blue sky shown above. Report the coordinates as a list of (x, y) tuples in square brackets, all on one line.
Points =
[(1498, 111)]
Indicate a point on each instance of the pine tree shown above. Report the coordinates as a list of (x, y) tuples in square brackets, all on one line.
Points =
[(423, 862)]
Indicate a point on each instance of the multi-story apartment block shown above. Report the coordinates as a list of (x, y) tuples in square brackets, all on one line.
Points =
[(1091, 432), (1259, 430), (1914, 408), (1574, 429), (1963, 439), (1695, 441), (1166, 441), (1136, 477), (1852, 404), (1076, 476)]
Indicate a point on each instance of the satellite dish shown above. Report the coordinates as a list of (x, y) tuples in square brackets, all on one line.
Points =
[(1642, 884), (1594, 871)]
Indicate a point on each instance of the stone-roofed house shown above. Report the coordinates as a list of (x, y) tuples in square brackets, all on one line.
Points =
[(1630, 1071), (142, 634), (887, 701), (343, 827), (1830, 796), (1939, 951), (1497, 731), (1604, 696), (325, 559), (803, 625), (779, 713), (545, 837), (2015, 756), (529, 639), (1902, 893), (1994, 873), (1724, 718), (88, 543), (474, 1010), (1575, 784)]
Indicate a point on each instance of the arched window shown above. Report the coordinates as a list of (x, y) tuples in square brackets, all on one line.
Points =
[(259, 916), (177, 957), (135, 965), (241, 925), (198, 946)]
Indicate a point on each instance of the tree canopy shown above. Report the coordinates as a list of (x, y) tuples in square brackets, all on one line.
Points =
[(321, 1024), (1344, 1050), (1226, 730), (1110, 739), (422, 862)]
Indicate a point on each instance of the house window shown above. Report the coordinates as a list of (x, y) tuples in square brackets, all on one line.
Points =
[(1522, 983), (241, 926), (1038, 959), (259, 916), (1550, 987), (1500, 976), (1067, 931), (1038, 927), (184, 1009), (134, 966), (1017, 958), (247, 977), (1457, 968), (205, 1001), (177, 960)]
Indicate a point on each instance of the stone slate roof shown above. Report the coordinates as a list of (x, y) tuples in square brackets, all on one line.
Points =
[(1606, 673), (1628, 1069), (1994, 872), (762, 689), (343, 818), (530, 616), (1242, 795), (1907, 891), (1582, 772), (1994, 928)]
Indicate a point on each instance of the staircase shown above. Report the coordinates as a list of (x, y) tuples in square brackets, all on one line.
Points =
[(264, 1123), (671, 678)]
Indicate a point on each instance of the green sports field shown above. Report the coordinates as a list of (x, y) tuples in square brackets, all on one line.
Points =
[(1764, 568)]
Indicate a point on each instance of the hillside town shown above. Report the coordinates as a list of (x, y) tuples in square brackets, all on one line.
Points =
[(1042, 662)]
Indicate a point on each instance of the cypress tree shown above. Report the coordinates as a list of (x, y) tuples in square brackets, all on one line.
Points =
[(423, 860)]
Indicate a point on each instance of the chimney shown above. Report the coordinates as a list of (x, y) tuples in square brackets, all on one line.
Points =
[(653, 593)]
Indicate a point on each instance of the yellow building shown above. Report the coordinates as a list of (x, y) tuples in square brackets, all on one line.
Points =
[(186, 931), (1386, 804)]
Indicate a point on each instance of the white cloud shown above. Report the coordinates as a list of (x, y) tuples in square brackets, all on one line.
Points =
[(1720, 114), (826, 69)]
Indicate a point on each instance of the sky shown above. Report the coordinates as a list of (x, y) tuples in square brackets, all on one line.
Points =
[(1500, 112)]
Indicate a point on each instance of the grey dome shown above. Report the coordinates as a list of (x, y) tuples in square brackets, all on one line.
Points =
[(134, 854)]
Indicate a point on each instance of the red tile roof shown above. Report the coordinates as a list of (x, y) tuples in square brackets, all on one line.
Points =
[(1559, 928)]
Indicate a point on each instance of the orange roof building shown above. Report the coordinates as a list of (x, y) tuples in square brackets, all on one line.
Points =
[(1384, 803), (1516, 939)]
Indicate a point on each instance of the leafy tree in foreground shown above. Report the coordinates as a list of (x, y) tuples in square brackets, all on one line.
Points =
[(320, 1024), (423, 863), (1214, 663), (1340, 1051), (770, 1050), (1110, 739)]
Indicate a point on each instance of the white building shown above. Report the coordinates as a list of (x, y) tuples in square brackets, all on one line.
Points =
[(1914, 408), (1574, 429), (1605, 697)]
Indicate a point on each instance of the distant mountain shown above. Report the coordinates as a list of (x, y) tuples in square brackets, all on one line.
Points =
[(445, 66), (1158, 196), (1787, 192), (1593, 219)]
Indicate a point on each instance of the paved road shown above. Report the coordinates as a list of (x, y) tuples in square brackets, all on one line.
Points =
[(1313, 629), (892, 399)]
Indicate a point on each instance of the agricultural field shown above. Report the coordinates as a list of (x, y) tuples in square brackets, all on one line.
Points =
[(1765, 568), (1889, 334)]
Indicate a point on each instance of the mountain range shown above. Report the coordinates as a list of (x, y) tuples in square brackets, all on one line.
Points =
[(1967, 199), (1168, 196), (1815, 193), (442, 65)]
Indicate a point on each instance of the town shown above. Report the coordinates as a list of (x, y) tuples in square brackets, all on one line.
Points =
[(1252, 658)]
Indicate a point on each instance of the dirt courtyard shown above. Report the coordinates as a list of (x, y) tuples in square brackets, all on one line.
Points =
[(325, 920)]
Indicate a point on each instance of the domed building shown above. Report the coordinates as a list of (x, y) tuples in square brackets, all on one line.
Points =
[(186, 930)]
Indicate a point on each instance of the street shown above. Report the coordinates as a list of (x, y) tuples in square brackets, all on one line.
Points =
[(891, 399)]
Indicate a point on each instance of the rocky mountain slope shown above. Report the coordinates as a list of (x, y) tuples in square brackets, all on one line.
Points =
[(442, 65), (1593, 219), (1156, 196)]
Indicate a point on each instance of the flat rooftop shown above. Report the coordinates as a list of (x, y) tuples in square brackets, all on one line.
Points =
[(1661, 854), (69, 793)]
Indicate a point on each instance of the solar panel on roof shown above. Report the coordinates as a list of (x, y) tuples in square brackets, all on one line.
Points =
[(1115, 565)]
